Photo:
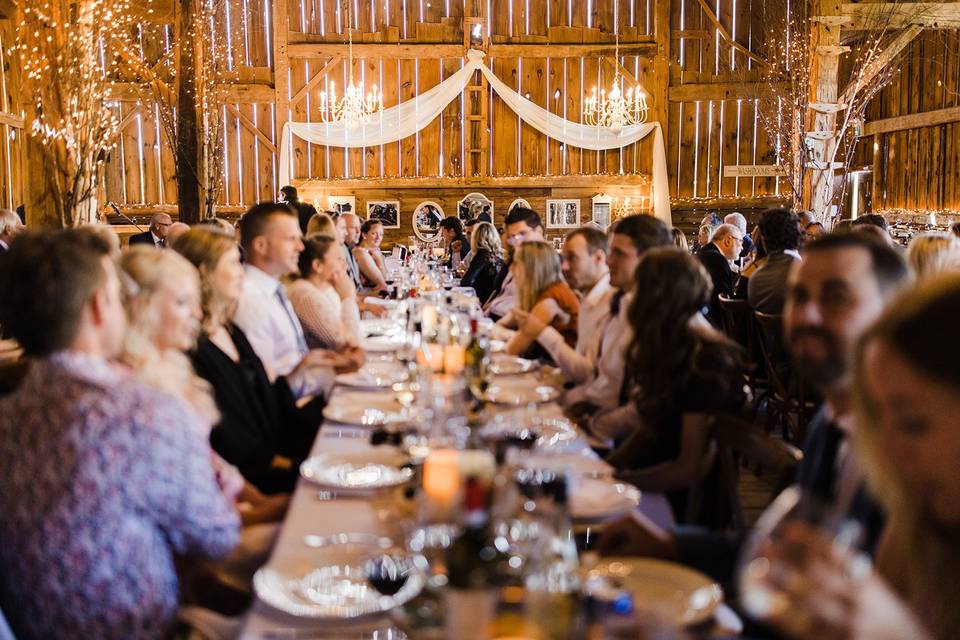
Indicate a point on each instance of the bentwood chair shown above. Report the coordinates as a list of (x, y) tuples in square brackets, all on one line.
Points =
[(788, 402)]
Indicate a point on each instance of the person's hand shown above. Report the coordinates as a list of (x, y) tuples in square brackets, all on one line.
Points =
[(827, 592), (343, 285), (347, 360), (580, 412), (529, 324), (637, 535)]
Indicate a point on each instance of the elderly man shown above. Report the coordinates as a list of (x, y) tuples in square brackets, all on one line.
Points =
[(10, 226), (716, 257), (157, 234), (737, 220), (348, 227)]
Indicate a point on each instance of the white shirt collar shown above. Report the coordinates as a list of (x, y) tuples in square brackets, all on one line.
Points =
[(599, 290), (4, 244), (260, 279), (793, 253), (156, 240)]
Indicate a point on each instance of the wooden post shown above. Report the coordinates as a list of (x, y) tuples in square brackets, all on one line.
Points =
[(824, 62), (661, 65), (281, 67), (188, 161)]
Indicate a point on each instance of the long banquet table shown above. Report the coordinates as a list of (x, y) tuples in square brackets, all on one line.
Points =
[(309, 514)]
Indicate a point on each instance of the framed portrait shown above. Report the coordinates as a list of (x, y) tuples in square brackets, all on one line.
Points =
[(426, 221), (601, 209), (386, 211), (474, 204), (342, 204), (563, 214)]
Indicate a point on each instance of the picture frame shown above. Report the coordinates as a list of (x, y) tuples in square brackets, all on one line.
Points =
[(386, 211), (519, 202), (602, 205), (426, 221), (472, 205), (563, 214), (342, 204)]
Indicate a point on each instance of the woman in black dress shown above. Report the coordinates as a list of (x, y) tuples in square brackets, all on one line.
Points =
[(261, 431), (486, 266)]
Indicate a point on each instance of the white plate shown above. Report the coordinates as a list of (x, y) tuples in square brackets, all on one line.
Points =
[(584, 463), (520, 390), (364, 409), (503, 365), (681, 595), (329, 584), (374, 374), (364, 470), (379, 326), (381, 344), (600, 500)]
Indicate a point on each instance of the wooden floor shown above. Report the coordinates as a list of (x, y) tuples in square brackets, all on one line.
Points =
[(755, 494)]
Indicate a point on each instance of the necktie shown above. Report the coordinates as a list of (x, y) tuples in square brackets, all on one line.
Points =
[(297, 329)]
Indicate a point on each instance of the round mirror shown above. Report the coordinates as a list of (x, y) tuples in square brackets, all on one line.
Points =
[(473, 205), (426, 221)]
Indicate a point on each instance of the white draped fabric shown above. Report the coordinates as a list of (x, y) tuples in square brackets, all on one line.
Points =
[(407, 118)]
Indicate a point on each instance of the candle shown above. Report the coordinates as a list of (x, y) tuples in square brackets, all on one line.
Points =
[(453, 359), (429, 320), (441, 482)]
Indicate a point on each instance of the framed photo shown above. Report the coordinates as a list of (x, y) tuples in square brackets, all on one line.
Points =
[(519, 202), (563, 214), (386, 211), (601, 209), (426, 221), (474, 204), (342, 204)]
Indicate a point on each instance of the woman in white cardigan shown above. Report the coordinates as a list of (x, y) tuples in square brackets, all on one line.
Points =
[(324, 297)]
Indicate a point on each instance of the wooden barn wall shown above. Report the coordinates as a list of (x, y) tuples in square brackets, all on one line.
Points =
[(703, 134), (918, 169), (11, 123)]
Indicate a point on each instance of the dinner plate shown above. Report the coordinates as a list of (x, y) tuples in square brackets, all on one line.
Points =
[(374, 374), (330, 584), (680, 595), (365, 409), (379, 326), (363, 470), (502, 364), (584, 463), (384, 343), (520, 390), (598, 501)]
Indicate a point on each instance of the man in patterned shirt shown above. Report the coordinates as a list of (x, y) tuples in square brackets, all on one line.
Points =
[(104, 479)]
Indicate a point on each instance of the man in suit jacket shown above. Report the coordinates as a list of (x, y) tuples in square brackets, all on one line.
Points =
[(10, 226), (303, 210), (780, 230), (716, 257), (833, 297), (156, 235)]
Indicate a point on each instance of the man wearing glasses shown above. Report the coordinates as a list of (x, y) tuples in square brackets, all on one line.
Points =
[(716, 257), (157, 234)]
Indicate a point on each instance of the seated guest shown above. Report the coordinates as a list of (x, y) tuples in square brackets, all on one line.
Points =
[(933, 253), (457, 245), (156, 235), (163, 321), (543, 293), (754, 263), (833, 296), (373, 271), (348, 230), (716, 257), (272, 242), (680, 239), (322, 224), (781, 238), (907, 390), (675, 397), (486, 262), (468, 228), (304, 211), (519, 226), (10, 226), (105, 479), (584, 266), (324, 297), (737, 220), (813, 231), (630, 238), (217, 224), (176, 230), (704, 236), (261, 430)]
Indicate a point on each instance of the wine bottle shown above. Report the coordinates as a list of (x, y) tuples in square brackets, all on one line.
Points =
[(475, 357)]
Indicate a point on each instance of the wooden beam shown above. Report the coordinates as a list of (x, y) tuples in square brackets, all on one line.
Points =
[(322, 50), (880, 62), (661, 64), (233, 93), (712, 17), (912, 121), (248, 124), (281, 65), (570, 181), (316, 79), (824, 66), (930, 15), (11, 119), (694, 91)]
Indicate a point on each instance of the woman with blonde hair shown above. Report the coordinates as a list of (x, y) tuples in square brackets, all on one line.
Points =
[(487, 265), (321, 224), (933, 253), (541, 291), (261, 430), (163, 311)]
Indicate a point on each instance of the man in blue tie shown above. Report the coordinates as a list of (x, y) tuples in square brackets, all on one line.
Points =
[(272, 242)]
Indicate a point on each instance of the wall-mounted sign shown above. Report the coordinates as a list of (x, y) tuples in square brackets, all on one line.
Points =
[(753, 170)]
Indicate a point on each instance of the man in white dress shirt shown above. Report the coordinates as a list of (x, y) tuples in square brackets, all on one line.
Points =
[(630, 239), (272, 242), (584, 263)]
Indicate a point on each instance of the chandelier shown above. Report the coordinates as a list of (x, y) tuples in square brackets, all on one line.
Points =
[(614, 109), (356, 106)]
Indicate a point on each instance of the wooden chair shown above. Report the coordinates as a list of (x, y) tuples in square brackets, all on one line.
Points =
[(740, 326), (787, 399), (743, 445)]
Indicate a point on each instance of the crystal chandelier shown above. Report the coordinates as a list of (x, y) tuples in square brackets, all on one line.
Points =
[(356, 106), (615, 110)]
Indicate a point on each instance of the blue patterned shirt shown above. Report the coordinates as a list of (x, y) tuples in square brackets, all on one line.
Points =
[(103, 480)]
